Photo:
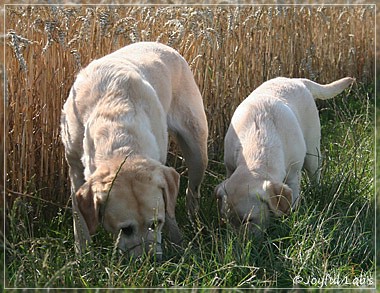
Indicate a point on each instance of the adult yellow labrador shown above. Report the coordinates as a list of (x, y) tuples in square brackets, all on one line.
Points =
[(273, 133), (114, 128)]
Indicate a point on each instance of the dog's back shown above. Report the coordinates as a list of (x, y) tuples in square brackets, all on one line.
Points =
[(287, 88), (299, 94), (158, 65)]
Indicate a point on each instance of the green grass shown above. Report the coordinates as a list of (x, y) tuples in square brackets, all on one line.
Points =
[(329, 239)]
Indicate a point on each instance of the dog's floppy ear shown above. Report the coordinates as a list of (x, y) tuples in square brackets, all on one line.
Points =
[(280, 197), (221, 198), (170, 186), (88, 207), (171, 230)]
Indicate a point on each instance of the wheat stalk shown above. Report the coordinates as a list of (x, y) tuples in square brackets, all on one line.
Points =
[(231, 50)]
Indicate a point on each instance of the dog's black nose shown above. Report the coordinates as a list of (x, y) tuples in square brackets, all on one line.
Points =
[(158, 256), (155, 251)]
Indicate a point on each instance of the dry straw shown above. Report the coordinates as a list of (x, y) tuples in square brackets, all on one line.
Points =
[(231, 50)]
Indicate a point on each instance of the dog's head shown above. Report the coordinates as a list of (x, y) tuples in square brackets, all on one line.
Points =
[(248, 202), (131, 199)]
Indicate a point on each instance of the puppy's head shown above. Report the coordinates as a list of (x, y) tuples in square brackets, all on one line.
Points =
[(131, 199), (248, 203)]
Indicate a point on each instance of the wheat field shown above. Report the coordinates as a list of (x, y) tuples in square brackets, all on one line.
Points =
[(231, 50)]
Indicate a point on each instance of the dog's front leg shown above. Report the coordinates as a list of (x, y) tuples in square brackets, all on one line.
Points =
[(194, 147), (81, 232)]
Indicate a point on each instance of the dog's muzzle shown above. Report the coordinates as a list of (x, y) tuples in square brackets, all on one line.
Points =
[(151, 248)]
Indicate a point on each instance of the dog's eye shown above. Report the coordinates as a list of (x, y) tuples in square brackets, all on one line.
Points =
[(155, 224), (128, 231), (249, 221)]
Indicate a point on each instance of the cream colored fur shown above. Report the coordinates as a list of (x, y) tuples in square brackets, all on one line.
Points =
[(114, 128), (273, 133)]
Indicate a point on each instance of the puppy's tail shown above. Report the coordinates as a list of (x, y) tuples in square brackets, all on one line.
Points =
[(327, 91)]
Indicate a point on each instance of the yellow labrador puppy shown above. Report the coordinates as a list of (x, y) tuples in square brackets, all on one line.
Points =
[(114, 128), (273, 133)]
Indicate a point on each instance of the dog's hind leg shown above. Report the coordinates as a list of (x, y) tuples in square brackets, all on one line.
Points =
[(313, 159)]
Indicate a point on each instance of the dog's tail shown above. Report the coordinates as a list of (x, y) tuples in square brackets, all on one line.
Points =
[(327, 91)]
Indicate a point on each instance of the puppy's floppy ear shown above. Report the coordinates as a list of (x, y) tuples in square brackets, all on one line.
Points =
[(280, 197), (88, 207), (170, 185), (221, 198)]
